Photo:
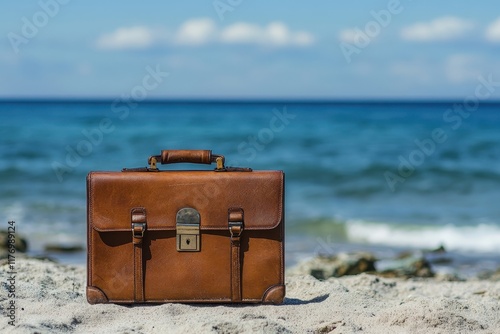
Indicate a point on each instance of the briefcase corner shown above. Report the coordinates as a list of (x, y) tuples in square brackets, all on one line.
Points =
[(274, 294), (96, 296)]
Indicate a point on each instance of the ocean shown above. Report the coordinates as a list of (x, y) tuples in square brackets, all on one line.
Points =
[(379, 176)]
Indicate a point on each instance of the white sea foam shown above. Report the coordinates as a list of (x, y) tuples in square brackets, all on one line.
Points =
[(14, 211), (480, 238)]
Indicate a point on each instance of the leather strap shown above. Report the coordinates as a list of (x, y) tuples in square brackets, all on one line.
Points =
[(235, 221), (138, 228)]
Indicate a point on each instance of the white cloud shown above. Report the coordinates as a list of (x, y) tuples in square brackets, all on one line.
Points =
[(303, 38), (493, 31), (197, 32), (240, 33), (276, 34), (440, 29), (137, 37)]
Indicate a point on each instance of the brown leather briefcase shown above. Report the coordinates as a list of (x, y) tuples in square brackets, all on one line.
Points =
[(185, 236)]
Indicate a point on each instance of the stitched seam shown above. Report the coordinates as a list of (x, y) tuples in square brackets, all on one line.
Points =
[(224, 300), (282, 221), (282, 245), (234, 271), (90, 234), (135, 274), (141, 283), (231, 275), (238, 259)]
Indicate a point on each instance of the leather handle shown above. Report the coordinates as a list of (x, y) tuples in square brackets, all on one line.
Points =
[(191, 156)]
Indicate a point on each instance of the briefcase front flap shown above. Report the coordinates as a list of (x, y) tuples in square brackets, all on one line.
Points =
[(112, 196)]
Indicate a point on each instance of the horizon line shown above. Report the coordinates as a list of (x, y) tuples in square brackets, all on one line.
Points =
[(250, 100)]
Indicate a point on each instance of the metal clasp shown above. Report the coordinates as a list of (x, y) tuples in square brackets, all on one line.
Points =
[(188, 230), (138, 230), (235, 228), (152, 162), (220, 162)]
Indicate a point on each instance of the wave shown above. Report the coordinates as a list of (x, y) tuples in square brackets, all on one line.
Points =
[(26, 155), (481, 238), (375, 172)]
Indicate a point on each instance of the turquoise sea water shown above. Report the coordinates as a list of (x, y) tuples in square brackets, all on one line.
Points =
[(359, 175)]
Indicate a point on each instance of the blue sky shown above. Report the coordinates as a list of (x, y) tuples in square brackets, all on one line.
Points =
[(248, 49)]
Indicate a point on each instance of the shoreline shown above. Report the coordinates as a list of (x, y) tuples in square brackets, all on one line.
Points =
[(466, 265), (50, 297), (386, 261), (443, 262)]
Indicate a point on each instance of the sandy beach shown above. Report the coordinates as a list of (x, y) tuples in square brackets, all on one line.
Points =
[(50, 298)]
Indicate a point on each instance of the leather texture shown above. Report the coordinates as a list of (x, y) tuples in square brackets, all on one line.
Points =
[(96, 296), (138, 219), (132, 247), (235, 219), (193, 156), (274, 295)]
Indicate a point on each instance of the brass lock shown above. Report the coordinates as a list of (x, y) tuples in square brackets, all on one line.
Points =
[(188, 230)]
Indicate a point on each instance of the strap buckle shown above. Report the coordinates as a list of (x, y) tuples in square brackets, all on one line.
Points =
[(138, 230), (235, 228)]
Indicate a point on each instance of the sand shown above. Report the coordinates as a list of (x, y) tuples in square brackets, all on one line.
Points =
[(50, 298)]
